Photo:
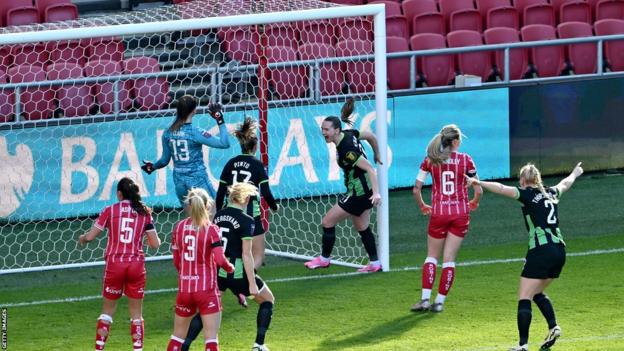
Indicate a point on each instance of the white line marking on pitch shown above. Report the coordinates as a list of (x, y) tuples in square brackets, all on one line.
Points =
[(312, 277)]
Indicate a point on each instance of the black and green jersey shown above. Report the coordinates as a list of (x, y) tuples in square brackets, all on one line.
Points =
[(245, 169), (541, 216), (349, 150), (235, 226)]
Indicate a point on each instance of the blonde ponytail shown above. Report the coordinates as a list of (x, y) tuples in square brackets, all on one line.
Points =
[(440, 146), (201, 206), (241, 192)]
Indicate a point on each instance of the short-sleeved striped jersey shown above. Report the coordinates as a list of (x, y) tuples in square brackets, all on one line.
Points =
[(541, 216), (125, 232), (192, 249), (449, 194)]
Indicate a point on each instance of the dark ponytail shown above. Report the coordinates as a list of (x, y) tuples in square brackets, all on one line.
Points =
[(346, 111), (186, 105), (130, 191), (345, 115)]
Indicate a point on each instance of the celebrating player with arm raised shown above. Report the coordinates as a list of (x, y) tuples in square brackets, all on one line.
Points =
[(450, 214), (546, 255), (183, 142), (126, 222), (362, 193), (197, 251)]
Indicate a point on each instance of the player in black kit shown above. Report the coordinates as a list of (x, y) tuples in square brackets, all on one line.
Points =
[(237, 230), (546, 255)]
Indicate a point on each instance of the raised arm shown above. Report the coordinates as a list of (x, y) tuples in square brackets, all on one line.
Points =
[(372, 140), (565, 184), (203, 137), (494, 187), (363, 163)]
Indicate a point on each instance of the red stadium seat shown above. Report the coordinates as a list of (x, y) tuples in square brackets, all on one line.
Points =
[(21, 16), (6, 5), (466, 20), (349, 2), (484, 6), (359, 74), (331, 74), (240, 43), (518, 58), (56, 10), (29, 54), (317, 32), (73, 99), (104, 92), (67, 51), (7, 100), (415, 8), (548, 60), (447, 7), (355, 29), (397, 26), (614, 50), (36, 103), (436, 70), (281, 34), (398, 68), (503, 17), (429, 23), (393, 8), (575, 11), (610, 9), (105, 49), (539, 14), (475, 63), (581, 56), (289, 82), (150, 93)]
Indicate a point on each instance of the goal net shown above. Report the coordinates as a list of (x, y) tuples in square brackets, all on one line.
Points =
[(83, 102)]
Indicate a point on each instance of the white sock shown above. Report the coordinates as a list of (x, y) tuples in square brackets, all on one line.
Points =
[(324, 259), (440, 298), (426, 294), (375, 263)]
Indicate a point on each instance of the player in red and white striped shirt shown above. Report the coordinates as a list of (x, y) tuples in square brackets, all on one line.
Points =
[(126, 222), (450, 213), (197, 253)]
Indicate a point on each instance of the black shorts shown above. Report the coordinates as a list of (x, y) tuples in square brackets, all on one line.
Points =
[(259, 228), (544, 262), (238, 286), (355, 205)]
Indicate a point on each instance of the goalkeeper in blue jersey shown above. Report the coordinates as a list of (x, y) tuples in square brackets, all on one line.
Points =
[(183, 142)]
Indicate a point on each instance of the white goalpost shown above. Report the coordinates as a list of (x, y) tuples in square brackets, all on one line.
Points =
[(75, 122)]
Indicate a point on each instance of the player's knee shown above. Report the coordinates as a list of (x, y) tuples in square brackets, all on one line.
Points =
[(539, 297)]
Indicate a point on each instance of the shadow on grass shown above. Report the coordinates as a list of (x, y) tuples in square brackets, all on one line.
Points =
[(377, 333)]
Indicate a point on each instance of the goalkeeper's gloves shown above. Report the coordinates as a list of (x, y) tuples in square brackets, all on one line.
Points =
[(215, 112), (148, 167)]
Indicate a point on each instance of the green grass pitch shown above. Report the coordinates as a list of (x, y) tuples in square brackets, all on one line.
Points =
[(334, 309)]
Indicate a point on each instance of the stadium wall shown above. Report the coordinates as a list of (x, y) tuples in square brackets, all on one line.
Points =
[(69, 171), (555, 125)]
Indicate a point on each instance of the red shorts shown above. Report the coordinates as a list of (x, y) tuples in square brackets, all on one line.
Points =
[(124, 278), (206, 301), (440, 225)]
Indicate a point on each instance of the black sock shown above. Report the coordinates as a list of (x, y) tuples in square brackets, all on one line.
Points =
[(265, 313), (195, 328), (545, 306), (524, 320), (368, 239), (329, 238)]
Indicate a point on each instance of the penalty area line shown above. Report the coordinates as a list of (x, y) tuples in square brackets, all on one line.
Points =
[(312, 277)]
